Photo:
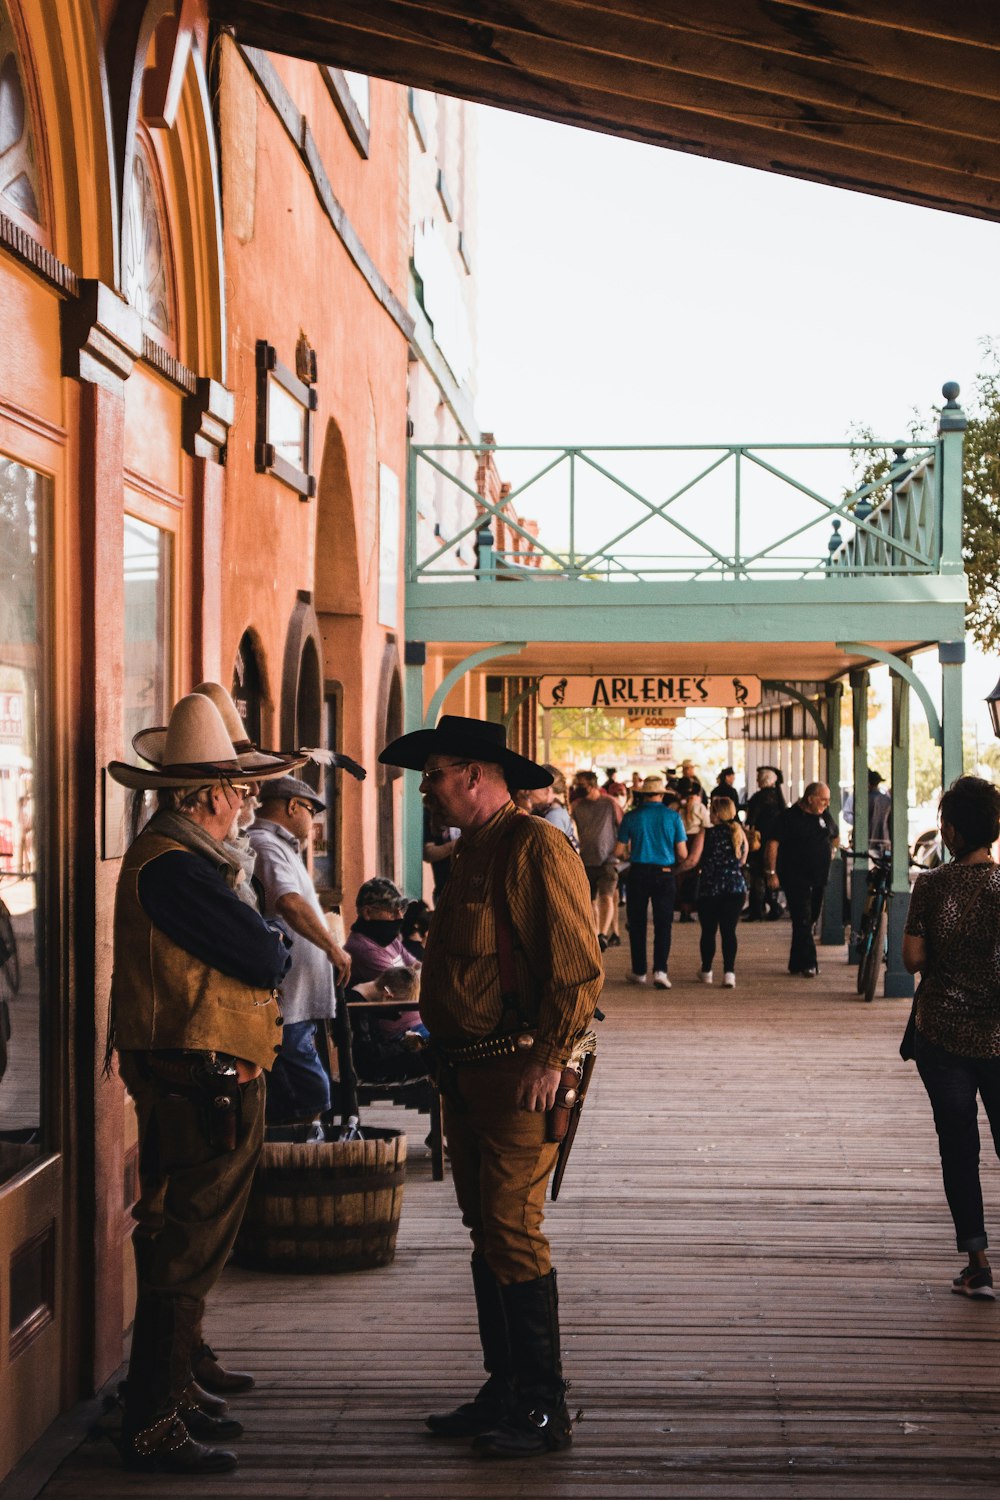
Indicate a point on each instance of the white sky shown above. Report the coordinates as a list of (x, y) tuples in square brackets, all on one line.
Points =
[(629, 294)]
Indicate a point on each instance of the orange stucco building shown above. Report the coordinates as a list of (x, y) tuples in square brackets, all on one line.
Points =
[(212, 336)]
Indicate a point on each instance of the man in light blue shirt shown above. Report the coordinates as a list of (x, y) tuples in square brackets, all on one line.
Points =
[(652, 838), (298, 1089)]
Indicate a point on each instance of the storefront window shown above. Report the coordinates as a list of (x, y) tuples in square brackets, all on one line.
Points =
[(25, 504), (148, 626)]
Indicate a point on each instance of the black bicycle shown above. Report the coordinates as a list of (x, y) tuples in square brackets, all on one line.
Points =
[(872, 935)]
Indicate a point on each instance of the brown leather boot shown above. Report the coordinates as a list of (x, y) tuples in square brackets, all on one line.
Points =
[(154, 1436), (211, 1376)]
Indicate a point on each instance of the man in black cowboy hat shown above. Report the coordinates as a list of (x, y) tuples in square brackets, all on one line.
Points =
[(511, 978), (195, 1021)]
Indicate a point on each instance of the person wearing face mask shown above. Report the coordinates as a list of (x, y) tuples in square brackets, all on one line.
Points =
[(300, 1086), (375, 941)]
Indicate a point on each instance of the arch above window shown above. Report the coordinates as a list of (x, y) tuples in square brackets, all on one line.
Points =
[(21, 177), (146, 273)]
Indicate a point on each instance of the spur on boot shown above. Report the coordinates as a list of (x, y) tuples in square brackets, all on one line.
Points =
[(168, 1448)]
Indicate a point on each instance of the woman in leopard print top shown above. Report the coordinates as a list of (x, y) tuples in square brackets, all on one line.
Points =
[(952, 940)]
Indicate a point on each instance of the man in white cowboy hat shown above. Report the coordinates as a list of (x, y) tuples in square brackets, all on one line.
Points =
[(196, 1022), (511, 978)]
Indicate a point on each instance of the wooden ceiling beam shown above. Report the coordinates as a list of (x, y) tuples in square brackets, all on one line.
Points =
[(869, 162), (693, 72), (973, 21), (750, 37)]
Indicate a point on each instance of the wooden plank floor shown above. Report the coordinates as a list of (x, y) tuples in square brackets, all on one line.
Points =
[(754, 1257)]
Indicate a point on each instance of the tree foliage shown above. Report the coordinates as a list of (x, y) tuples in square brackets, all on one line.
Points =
[(981, 528)]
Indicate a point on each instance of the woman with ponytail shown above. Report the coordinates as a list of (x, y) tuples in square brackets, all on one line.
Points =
[(723, 888)]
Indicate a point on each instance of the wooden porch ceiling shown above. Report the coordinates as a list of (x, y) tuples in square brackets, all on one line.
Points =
[(900, 98), (789, 661)]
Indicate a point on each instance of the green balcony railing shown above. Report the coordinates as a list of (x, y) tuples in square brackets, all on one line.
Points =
[(739, 511)]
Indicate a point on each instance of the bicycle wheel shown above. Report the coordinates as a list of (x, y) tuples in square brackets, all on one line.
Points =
[(865, 939), (10, 964), (876, 955)]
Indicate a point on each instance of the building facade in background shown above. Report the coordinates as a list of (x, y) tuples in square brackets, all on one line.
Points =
[(229, 281)]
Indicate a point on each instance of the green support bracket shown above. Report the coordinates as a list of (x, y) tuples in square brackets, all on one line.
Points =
[(467, 664), (522, 697), (858, 869), (900, 668), (811, 708), (832, 916)]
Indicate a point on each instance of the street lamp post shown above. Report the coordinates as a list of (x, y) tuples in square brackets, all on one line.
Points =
[(993, 699)]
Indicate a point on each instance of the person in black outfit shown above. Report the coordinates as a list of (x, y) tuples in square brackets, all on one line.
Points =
[(797, 857), (763, 810)]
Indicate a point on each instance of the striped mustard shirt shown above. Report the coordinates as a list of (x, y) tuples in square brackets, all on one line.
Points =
[(556, 958)]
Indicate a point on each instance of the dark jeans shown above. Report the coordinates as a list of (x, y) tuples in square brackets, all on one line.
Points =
[(650, 883), (762, 900), (805, 901), (299, 1088), (719, 914), (952, 1083)]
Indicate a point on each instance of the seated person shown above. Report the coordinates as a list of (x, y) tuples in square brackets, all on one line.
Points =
[(375, 941), (416, 923), (389, 1046)]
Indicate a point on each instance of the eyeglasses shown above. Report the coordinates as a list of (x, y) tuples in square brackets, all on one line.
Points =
[(241, 788), (456, 765)]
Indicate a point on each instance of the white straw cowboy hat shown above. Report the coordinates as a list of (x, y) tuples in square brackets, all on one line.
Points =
[(196, 752), (151, 743)]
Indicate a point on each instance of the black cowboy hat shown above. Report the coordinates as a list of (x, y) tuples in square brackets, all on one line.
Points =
[(471, 739)]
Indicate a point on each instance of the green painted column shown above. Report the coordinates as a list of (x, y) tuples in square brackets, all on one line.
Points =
[(897, 981), (859, 867), (413, 807), (832, 918), (951, 655), (951, 432)]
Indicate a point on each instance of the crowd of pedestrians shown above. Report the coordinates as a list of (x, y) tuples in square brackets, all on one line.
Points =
[(216, 913)]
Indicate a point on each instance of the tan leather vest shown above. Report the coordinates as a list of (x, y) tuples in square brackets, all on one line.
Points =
[(163, 998)]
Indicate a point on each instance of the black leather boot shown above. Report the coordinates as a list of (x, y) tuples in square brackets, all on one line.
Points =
[(539, 1421), (493, 1400), (154, 1436)]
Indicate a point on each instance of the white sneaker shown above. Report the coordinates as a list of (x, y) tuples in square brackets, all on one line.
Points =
[(705, 976), (660, 980), (636, 978), (729, 980)]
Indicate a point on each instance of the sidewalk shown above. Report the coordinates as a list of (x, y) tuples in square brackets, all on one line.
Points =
[(754, 1257)]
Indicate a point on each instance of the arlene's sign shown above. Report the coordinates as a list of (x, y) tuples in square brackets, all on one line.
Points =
[(672, 690)]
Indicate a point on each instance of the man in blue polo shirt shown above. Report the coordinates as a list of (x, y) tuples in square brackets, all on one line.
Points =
[(652, 837)]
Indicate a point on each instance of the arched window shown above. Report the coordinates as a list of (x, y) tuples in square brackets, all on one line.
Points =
[(302, 686), (248, 686), (20, 170), (148, 283)]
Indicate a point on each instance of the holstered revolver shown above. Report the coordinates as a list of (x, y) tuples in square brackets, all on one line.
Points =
[(216, 1079)]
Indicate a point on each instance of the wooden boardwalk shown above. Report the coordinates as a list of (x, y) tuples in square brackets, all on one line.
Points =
[(754, 1257)]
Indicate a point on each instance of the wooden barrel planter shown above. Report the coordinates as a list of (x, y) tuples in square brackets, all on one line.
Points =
[(330, 1206)]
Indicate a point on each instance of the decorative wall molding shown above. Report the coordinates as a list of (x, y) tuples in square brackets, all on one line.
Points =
[(101, 335), (207, 418), (25, 248), (169, 367)]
